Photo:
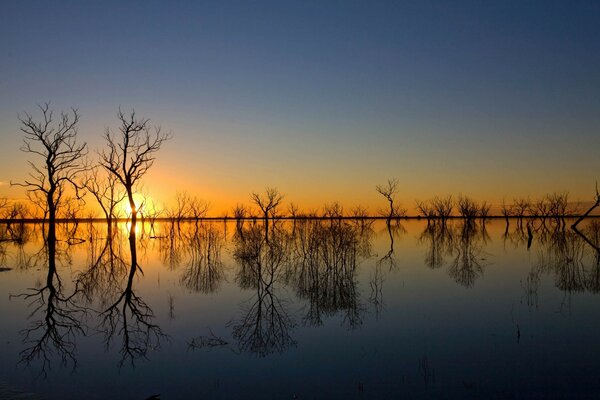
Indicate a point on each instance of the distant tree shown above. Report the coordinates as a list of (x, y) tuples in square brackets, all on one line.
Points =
[(333, 210), (359, 212), (467, 208), (60, 157), (131, 152), (389, 191), (484, 210), (443, 206), (293, 210), (269, 202), (106, 191), (240, 212), (425, 209)]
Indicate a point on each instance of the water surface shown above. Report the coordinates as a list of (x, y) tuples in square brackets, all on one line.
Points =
[(309, 309)]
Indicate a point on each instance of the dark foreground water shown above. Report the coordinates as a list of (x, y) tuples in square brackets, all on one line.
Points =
[(307, 310)]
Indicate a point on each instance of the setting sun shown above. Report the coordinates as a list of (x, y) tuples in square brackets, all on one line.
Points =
[(145, 206)]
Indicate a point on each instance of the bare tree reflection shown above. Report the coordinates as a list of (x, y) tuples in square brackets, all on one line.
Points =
[(265, 326), (107, 267), (204, 271), (439, 239), (325, 266), (130, 317), (469, 261), (56, 318)]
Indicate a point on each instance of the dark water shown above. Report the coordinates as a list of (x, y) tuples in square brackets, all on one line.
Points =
[(308, 310)]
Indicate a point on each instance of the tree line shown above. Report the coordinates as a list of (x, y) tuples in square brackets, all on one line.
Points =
[(63, 177)]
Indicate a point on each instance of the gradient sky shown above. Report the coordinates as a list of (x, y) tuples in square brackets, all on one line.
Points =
[(322, 100)]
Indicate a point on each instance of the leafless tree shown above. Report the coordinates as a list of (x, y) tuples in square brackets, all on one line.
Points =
[(484, 210), (521, 207), (240, 212), (425, 209), (333, 210), (359, 212), (198, 208), (467, 208), (181, 208), (131, 152), (268, 203), (293, 210), (592, 208), (389, 191), (60, 157), (443, 206), (106, 191)]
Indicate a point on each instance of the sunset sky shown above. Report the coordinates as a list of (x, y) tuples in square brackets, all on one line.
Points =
[(321, 99)]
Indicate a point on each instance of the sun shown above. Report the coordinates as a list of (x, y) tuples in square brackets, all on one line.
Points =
[(145, 205)]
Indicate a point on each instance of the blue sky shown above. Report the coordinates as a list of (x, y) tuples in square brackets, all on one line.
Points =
[(321, 99)]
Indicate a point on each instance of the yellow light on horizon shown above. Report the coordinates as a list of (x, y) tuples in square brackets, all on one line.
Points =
[(145, 205)]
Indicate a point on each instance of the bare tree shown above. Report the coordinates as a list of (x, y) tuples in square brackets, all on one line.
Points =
[(131, 152), (269, 203), (293, 210), (60, 156), (443, 206), (467, 208), (425, 209), (389, 191), (484, 210), (596, 204), (106, 192)]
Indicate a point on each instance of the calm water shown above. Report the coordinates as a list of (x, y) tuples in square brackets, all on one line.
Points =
[(307, 310)]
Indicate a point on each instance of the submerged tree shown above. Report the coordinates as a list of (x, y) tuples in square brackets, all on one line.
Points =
[(54, 143), (592, 208), (131, 152), (106, 192), (389, 191), (268, 203)]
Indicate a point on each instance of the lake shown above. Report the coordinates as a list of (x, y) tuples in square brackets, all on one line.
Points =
[(306, 309)]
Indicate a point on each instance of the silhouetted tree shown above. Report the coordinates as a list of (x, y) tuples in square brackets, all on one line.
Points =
[(131, 152), (106, 191), (389, 191), (592, 208), (60, 157), (443, 207), (269, 202)]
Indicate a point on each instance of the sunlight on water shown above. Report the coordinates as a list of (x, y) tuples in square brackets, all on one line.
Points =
[(307, 308)]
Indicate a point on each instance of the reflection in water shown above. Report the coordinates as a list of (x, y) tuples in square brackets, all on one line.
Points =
[(325, 267), (265, 326), (204, 270), (464, 242), (130, 317), (469, 261), (439, 241), (275, 285), (56, 318), (106, 267), (573, 256)]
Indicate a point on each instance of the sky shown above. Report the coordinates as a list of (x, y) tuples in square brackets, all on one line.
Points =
[(320, 99)]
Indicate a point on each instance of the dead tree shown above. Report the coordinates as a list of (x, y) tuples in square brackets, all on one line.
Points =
[(107, 193), (269, 203), (443, 207), (467, 208), (389, 191), (60, 157), (596, 204), (131, 152)]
